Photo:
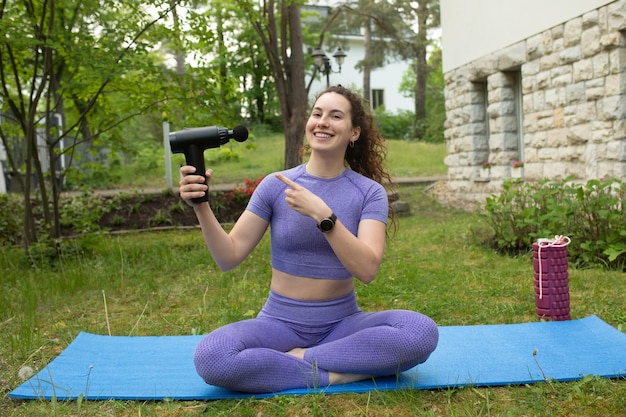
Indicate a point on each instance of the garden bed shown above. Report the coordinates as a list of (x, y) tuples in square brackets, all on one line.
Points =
[(124, 211), (146, 211)]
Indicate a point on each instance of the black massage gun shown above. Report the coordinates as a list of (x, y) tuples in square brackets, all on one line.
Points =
[(193, 142)]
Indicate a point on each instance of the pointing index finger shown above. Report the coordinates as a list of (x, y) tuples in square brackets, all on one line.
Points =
[(286, 181)]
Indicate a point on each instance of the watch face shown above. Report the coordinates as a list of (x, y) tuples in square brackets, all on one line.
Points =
[(326, 225)]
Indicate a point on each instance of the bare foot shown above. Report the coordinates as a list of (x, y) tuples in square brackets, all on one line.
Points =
[(335, 378), (297, 352)]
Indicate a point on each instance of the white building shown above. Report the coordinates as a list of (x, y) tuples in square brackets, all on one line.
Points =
[(543, 82), (384, 82)]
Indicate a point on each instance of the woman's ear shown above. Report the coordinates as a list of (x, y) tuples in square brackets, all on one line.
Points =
[(356, 133)]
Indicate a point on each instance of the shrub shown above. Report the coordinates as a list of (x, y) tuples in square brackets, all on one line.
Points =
[(593, 215), (395, 126), (403, 125), (11, 218), (82, 212)]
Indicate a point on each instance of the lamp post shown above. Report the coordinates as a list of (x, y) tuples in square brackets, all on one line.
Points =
[(322, 62)]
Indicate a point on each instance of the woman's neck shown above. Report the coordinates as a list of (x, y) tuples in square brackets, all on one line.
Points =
[(325, 168)]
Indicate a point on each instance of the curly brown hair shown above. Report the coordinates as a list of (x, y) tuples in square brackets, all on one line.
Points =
[(367, 154)]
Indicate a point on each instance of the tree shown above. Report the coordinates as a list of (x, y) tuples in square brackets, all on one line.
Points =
[(425, 15), (267, 65), (62, 58), (380, 25), (278, 25), (235, 49), (432, 125), (395, 29)]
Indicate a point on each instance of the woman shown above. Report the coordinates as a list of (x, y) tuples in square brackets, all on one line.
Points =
[(328, 227)]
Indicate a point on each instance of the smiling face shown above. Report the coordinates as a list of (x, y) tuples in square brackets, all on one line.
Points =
[(330, 125)]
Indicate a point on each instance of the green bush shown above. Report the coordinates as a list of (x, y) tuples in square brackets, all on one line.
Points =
[(395, 126), (402, 125), (83, 212), (593, 215), (11, 218)]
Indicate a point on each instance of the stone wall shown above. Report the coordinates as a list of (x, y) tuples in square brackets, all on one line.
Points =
[(556, 101)]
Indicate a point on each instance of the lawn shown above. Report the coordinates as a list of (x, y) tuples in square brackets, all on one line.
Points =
[(234, 162), (163, 283)]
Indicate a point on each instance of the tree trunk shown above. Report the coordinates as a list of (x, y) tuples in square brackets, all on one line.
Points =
[(30, 230), (421, 75), (180, 55), (297, 96), (285, 52), (55, 106)]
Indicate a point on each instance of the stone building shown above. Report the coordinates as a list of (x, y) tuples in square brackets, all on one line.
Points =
[(533, 81)]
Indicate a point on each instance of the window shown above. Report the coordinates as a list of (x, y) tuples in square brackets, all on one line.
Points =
[(483, 94), (516, 87), (378, 98), (479, 119)]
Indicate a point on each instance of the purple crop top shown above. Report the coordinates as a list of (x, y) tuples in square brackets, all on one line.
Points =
[(298, 246)]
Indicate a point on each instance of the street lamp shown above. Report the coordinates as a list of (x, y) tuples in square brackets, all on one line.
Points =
[(322, 62)]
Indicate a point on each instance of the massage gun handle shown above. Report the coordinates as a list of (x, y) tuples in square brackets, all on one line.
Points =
[(194, 156)]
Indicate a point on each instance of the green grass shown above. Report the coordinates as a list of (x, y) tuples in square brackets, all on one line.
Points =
[(259, 155), (416, 159), (165, 283)]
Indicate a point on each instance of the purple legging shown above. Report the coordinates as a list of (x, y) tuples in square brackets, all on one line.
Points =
[(250, 355)]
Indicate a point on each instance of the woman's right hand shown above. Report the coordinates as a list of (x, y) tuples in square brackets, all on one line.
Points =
[(192, 185)]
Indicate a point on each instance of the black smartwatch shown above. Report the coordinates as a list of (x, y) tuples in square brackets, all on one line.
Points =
[(327, 224)]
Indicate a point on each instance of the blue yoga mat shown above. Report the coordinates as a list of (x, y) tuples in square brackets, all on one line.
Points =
[(161, 367)]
